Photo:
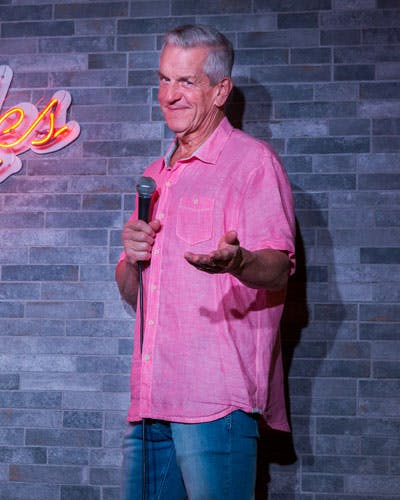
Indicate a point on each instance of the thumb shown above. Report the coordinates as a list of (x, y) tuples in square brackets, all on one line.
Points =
[(231, 238)]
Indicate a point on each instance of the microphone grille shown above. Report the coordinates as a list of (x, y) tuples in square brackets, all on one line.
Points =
[(146, 187)]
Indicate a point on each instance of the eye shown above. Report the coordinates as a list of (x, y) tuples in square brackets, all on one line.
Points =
[(188, 83)]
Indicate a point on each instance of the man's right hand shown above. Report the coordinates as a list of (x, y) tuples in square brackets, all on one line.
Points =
[(138, 239)]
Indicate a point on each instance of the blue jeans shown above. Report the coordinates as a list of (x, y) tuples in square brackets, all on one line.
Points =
[(208, 461)]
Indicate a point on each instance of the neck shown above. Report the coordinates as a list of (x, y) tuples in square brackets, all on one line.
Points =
[(187, 144)]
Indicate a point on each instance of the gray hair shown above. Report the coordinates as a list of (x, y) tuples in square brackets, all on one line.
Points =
[(219, 62)]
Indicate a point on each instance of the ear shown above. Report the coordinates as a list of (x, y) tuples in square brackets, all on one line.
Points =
[(224, 88)]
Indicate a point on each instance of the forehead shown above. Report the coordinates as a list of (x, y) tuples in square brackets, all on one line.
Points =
[(183, 62)]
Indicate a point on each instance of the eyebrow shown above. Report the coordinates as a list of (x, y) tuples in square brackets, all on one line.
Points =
[(180, 79)]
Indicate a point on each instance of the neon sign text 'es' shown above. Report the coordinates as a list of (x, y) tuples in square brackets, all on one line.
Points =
[(24, 127)]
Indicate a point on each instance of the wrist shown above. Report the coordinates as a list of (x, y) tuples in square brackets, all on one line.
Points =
[(238, 262)]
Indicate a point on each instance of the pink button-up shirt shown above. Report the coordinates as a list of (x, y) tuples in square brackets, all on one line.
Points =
[(211, 344)]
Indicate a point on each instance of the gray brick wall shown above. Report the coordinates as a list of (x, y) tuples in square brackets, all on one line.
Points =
[(320, 80)]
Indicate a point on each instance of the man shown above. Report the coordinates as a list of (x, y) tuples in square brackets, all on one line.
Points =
[(217, 252)]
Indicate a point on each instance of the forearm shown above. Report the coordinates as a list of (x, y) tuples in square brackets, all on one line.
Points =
[(127, 278), (266, 268)]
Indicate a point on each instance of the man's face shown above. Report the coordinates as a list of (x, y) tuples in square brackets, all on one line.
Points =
[(187, 100)]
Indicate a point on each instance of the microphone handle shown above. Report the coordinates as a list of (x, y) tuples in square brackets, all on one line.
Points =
[(144, 208)]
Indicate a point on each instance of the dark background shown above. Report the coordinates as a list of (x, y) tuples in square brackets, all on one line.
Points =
[(319, 79)]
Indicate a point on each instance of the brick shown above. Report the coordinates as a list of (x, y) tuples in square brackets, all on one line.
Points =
[(151, 25), (387, 71), (344, 465), (123, 148), (287, 5), (372, 36), (39, 273), (22, 491), (261, 56), (242, 23), (338, 445), (315, 109), (71, 309), (36, 29), (286, 38), (57, 437), (380, 446), (386, 369), (11, 310), (9, 382), (32, 327), (68, 456), (25, 455), (11, 46), (101, 27), (349, 126), (105, 475), (63, 380), (67, 255), (129, 43), (109, 9), (380, 90), (181, 7), (329, 145), (21, 399), (82, 420), (23, 13), (373, 483), (102, 61), (75, 44), (323, 483), (298, 20), (298, 73), (354, 72), (365, 55), (310, 56), (97, 78), (96, 401), (147, 9), (360, 18), (386, 350), (96, 328), (101, 364), (80, 493), (116, 383), (386, 126), (19, 291), (340, 37), (51, 474), (375, 407)]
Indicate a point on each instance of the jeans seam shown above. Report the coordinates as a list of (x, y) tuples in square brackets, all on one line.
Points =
[(165, 475)]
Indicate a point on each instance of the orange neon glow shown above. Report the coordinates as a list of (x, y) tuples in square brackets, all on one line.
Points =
[(40, 142), (12, 111), (52, 103), (24, 127)]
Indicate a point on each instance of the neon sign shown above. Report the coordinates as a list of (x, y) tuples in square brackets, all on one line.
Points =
[(24, 127)]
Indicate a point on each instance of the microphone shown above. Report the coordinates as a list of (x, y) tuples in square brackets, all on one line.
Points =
[(145, 189)]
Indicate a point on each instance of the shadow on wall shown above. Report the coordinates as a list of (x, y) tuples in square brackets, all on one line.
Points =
[(249, 108)]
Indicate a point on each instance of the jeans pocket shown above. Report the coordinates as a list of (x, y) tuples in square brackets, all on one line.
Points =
[(195, 219)]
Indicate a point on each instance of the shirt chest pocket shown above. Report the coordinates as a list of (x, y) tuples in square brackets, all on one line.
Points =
[(195, 219)]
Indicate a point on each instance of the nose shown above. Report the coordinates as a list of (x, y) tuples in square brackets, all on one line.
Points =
[(173, 92)]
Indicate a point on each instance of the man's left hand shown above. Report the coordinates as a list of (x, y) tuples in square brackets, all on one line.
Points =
[(225, 259)]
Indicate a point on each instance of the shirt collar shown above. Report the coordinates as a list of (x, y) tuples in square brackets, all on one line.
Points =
[(209, 151)]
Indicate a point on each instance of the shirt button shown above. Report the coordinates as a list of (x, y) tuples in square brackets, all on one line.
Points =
[(196, 201), (151, 322), (147, 357), (154, 287), (156, 251), (168, 184), (161, 216)]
